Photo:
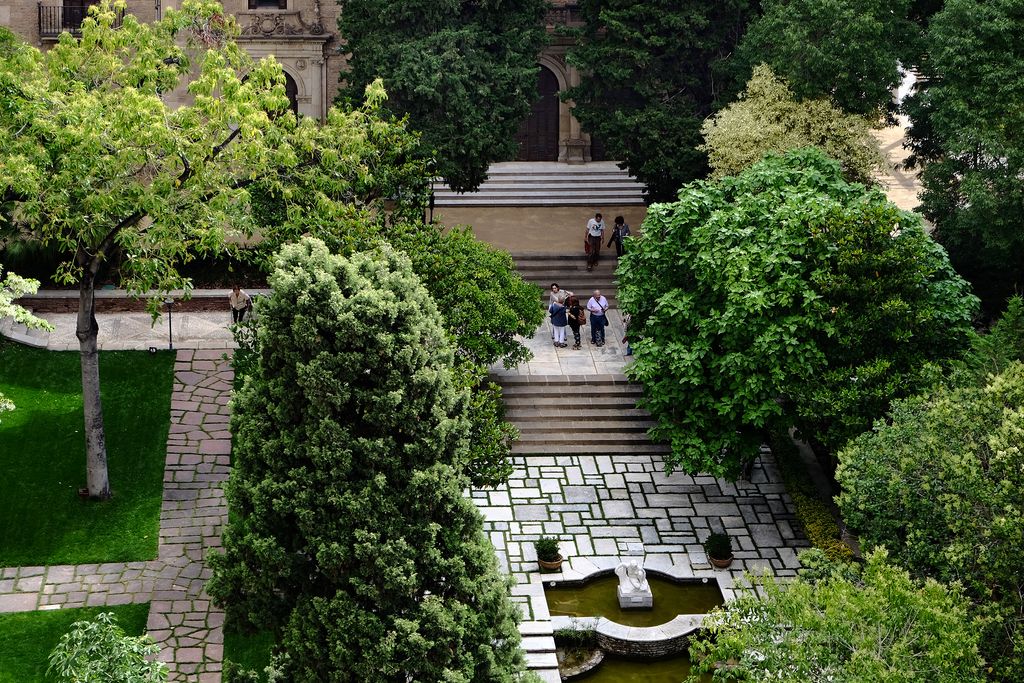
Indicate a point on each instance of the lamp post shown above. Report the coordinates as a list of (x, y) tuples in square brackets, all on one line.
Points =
[(170, 324)]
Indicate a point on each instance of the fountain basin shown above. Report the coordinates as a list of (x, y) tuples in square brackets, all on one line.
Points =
[(596, 596), (664, 631)]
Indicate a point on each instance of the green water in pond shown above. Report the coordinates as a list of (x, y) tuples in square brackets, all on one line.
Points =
[(598, 598), (618, 670)]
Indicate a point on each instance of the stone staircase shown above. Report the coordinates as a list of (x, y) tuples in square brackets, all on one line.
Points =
[(577, 414), (570, 272), (540, 183), (24, 335)]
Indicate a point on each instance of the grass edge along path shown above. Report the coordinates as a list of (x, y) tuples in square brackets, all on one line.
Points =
[(42, 455), (28, 637)]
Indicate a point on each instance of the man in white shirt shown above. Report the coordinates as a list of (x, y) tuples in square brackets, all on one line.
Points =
[(598, 307), (240, 302), (593, 236)]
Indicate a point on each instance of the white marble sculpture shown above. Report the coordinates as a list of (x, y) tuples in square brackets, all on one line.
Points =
[(634, 592)]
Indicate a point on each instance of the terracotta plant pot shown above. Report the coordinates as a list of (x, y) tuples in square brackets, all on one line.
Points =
[(552, 565), (721, 564)]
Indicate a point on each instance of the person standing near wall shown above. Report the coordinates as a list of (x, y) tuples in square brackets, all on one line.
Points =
[(620, 231)]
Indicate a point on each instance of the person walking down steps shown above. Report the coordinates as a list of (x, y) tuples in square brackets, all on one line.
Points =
[(558, 322), (577, 317), (598, 307), (620, 231), (593, 236)]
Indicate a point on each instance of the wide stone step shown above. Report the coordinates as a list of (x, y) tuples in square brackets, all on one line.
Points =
[(527, 449), (577, 413), (572, 390), (572, 425), (583, 435)]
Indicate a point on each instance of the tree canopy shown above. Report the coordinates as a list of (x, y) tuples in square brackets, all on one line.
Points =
[(350, 536), (784, 294), (464, 73), (648, 81), (94, 161), (965, 136), (843, 624), (939, 486), (846, 51), (767, 117)]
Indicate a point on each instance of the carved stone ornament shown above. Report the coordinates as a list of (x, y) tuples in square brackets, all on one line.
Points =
[(277, 25)]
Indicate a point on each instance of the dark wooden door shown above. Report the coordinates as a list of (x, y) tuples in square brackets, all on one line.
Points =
[(538, 134)]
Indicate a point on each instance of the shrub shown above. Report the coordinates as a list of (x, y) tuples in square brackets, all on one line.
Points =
[(718, 546), (547, 548)]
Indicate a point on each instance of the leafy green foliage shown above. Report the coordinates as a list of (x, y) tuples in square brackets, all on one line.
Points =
[(98, 651), (991, 353), (42, 520), (547, 548), (12, 287), (648, 83), (940, 487), (30, 637), (965, 128), (463, 72), (718, 546), (758, 297), (813, 513), (845, 51), (870, 625), (351, 538), (768, 118), (484, 301)]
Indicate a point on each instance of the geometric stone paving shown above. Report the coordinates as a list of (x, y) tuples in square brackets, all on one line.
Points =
[(181, 619), (600, 504)]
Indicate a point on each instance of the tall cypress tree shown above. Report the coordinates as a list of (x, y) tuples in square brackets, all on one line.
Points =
[(350, 536), (465, 72)]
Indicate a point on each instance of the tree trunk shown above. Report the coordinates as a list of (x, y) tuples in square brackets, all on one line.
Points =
[(87, 331)]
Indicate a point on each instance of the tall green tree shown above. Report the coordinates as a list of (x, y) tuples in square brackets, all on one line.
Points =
[(464, 73), (648, 81), (966, 137), (847, 51), (767, 117), (351, 538), (94, 161), (783, 295), (940, 486), (844, 624)]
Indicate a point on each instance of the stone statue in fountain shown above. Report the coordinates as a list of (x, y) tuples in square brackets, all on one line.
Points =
[(634, 592)]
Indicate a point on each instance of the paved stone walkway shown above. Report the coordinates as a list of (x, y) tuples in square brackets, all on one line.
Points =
[(588, 360), (181, 619)]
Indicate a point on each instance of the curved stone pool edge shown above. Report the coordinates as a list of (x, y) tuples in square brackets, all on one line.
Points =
[(647, 642)]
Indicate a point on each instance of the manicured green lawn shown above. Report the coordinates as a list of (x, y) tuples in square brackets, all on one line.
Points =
[(42, 457), (247, 651), (27, 638)]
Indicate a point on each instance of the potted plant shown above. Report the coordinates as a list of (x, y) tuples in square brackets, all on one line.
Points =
[(547, 553), (719, 549)]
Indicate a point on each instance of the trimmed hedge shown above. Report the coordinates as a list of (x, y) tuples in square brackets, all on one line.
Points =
[(813, 513)]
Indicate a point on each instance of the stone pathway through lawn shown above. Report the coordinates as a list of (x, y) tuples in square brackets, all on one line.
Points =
[(181, 619)]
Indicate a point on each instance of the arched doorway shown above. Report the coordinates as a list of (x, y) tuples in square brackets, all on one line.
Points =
[(291, 89), (538, 134)]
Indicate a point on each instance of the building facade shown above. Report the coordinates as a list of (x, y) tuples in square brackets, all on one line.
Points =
[(303, 36)]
